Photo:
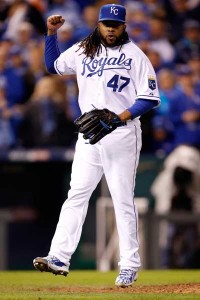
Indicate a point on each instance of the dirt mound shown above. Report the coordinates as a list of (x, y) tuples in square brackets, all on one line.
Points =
[(189, 288)]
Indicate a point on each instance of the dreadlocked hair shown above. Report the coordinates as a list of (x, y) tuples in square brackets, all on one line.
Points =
[(91, 45)]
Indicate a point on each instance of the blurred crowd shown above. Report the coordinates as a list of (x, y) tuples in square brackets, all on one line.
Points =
[(37, 109)]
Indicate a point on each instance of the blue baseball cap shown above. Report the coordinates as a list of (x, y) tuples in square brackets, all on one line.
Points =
[(112, 12)]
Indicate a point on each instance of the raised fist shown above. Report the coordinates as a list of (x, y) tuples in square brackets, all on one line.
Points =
[(54, 22)]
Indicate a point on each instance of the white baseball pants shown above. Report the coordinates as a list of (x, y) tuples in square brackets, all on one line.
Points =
[(117, 156)]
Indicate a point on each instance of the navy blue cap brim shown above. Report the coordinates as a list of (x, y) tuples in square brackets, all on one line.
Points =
[(109, 19)]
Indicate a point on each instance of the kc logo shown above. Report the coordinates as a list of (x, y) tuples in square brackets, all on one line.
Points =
[(114, 10)]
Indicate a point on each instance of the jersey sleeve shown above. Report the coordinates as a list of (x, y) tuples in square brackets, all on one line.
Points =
[(145, 80), (65, 63)]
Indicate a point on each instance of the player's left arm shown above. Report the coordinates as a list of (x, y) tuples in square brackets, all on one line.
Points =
[(147, 95), (140, 107)]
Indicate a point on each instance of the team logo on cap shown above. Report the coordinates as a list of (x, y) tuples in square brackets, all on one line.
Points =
[(152, 83), (114, 10)]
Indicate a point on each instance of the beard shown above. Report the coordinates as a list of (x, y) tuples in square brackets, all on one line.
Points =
[(110, 40)]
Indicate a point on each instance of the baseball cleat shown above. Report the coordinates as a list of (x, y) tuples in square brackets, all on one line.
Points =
[(126, 278), (50, 264)]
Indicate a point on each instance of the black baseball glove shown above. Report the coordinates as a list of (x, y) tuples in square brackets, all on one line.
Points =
[(97, 123)]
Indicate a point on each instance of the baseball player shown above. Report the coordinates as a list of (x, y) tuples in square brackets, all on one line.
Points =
[(113, 74)]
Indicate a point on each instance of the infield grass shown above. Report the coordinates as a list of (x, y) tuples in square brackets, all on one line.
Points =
[(92, 285)]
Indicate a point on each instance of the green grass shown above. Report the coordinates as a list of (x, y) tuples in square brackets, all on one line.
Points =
[(33, 285)]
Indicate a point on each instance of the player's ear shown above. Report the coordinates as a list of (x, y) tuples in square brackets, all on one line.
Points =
[(124, 26)]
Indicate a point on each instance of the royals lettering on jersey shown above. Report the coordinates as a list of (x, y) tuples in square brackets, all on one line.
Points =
[(126, 75), (98, 66)]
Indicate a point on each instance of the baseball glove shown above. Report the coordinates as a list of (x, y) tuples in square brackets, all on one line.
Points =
[(97, 123)]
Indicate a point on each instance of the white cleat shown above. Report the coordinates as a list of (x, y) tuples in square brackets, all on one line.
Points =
[(126, 278), (50, 264)]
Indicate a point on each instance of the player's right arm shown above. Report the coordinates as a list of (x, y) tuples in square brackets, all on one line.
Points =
[(54, 22), (51, 50)]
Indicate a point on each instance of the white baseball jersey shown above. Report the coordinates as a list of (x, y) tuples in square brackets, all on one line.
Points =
[(115, 79)]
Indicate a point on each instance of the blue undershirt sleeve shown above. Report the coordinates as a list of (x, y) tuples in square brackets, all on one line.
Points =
[(51, 52), (141, 106)]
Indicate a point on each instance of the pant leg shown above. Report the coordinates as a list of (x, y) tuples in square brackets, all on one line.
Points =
[(86, 174), (120, 170)]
